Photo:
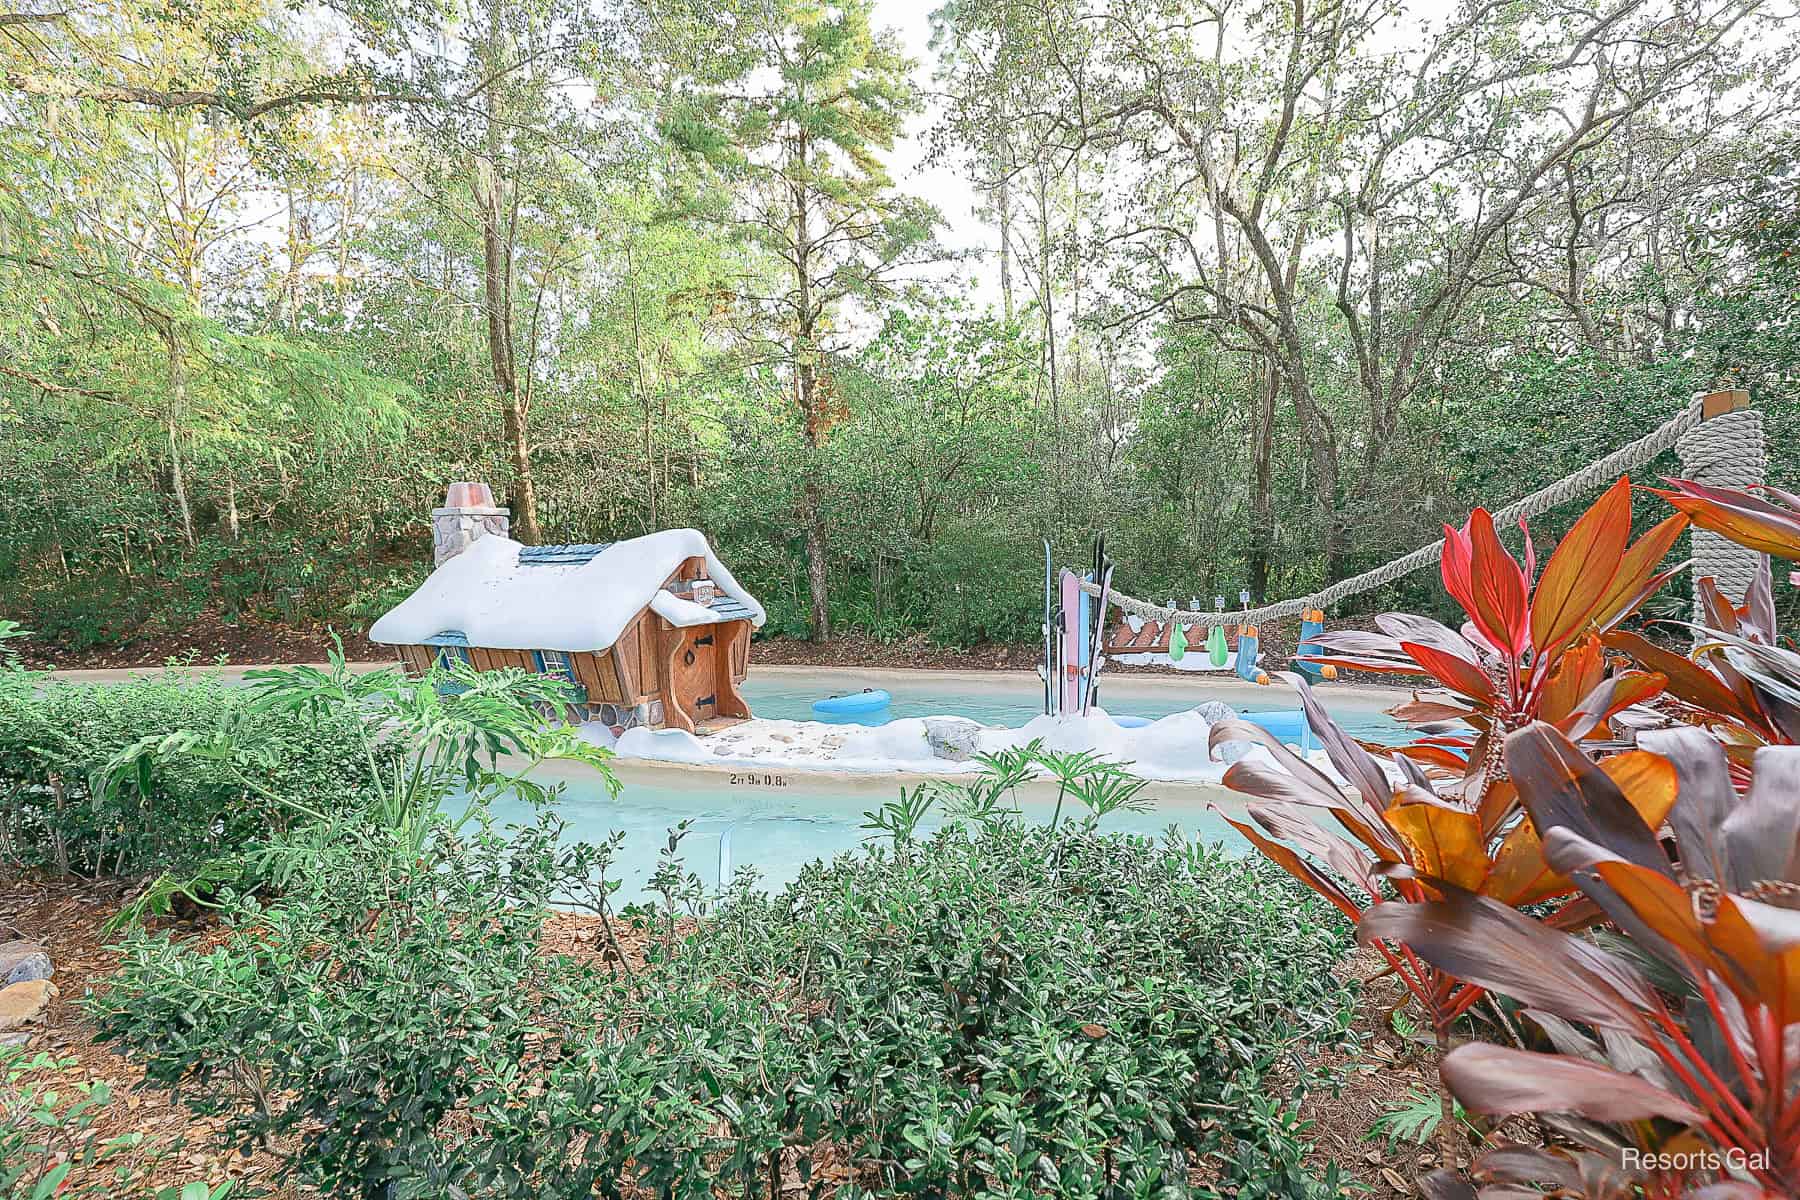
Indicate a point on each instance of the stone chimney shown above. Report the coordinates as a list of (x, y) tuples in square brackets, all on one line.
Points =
[(467, 516)]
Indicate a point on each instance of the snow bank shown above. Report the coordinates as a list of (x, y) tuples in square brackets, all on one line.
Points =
[(498, 602), (1172, 749)]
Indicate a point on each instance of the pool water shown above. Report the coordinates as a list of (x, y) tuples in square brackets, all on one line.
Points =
[(1011, 702), (777, 830), (776, 822)]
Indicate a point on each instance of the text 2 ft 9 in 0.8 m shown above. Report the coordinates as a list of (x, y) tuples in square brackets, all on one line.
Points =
[(752, 779)]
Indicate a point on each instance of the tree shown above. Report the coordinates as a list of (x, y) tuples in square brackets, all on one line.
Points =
[(791, 103), (1262, 135)]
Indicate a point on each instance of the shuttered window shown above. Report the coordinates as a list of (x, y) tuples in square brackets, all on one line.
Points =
[(555, 663)]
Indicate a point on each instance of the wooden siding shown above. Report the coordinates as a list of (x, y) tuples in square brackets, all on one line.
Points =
[(415, 659), (670, 642), (740, 650), (593, 671), (627, 662), (726, 676)]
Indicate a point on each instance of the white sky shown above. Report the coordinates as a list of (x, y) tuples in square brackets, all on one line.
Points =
[(939, 185)]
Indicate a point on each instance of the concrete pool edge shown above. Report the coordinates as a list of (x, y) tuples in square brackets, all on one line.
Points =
[(1274, 695), (878, 785)]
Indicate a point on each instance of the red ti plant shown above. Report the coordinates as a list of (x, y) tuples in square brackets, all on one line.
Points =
[(1765, 519), (1739, 682), (1406, 836), (1682, 1088), (1530, 648)]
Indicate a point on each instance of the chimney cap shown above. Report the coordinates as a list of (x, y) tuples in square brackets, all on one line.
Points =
[(468, 494)]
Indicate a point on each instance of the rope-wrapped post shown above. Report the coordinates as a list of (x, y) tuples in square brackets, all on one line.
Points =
[(1725, 449)]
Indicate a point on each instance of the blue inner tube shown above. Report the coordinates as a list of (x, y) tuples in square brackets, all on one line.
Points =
[(1285, 723), (866, 701), (1126, 721)]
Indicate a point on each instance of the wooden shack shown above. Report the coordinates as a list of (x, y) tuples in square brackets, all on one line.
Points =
[(652, 632)]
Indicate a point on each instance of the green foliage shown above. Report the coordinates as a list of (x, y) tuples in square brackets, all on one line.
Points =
[(1414, 1118), (86, 791), (954, 1014), (47, 1135)]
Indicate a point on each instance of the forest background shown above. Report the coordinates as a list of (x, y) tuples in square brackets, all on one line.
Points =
[(1265, 290)]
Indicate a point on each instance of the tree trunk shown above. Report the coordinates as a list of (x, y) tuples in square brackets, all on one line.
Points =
[(497, 280), (812, 519), (1003, 201), (1262, 505), (814, 422), (177, 402)]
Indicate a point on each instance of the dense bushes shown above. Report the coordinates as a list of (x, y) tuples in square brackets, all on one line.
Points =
[(1007, 1010), (80, 793)]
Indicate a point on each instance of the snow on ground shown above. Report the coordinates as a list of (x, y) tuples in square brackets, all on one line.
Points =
[(1172, 749)]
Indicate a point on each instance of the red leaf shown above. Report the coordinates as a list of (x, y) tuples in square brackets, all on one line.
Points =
[(1457, 674), (1497, 587), (1501, 1081)]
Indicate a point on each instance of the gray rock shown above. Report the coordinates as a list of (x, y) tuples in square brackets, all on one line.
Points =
[(955, 739), (30, 967), (15, 1039), (1215, 711), (22, 957)]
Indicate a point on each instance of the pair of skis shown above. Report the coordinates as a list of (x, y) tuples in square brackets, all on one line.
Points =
[(1070, 679)]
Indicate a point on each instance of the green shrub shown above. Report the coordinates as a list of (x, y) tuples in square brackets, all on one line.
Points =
[(49, 1145), (1005, 1010), (73, 799), (370, 1013)]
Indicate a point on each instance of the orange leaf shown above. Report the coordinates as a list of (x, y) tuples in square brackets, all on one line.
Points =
[(1576, 673), (1631, 585), (1445, 842), (1663, 905), (1579, 575), (1648, 781), (1521, 875), (1768, 969), (1743, 518)]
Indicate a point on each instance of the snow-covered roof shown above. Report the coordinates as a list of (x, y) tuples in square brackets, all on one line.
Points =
[(501, 594)]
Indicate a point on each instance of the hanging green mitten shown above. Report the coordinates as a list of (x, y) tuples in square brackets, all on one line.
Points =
[(1177, 642), (1215, 646)]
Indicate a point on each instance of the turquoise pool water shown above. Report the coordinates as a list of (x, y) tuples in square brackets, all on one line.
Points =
[(1012, 703), (775, 822), (776, 830)]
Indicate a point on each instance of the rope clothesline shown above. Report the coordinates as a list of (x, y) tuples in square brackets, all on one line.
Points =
[(1729, 436)]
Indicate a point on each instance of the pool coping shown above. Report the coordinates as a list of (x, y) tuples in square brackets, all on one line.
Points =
[(883, 785)]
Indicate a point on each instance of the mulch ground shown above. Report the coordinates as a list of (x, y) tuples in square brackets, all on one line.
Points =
[(208, 640), (65, 916)]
